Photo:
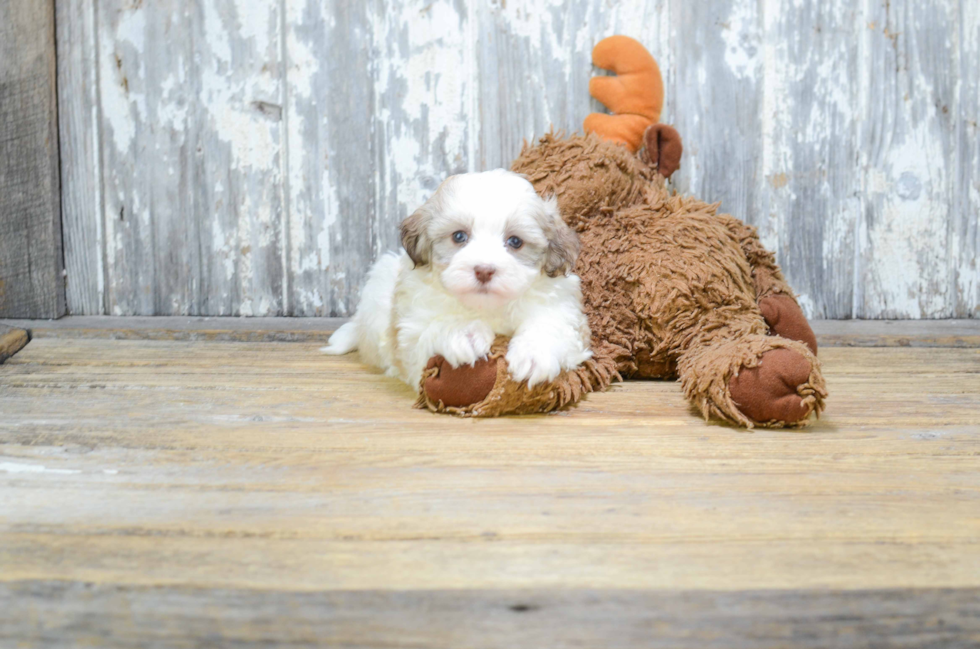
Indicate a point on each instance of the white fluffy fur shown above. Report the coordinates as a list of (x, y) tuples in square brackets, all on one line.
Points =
[(412, 311)]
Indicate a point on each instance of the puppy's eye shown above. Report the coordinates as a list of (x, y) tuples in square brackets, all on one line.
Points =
[(460, 237), (515, 242)]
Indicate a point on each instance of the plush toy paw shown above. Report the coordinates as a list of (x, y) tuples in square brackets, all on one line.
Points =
[(771, 391), (785, 318), (459, 387)]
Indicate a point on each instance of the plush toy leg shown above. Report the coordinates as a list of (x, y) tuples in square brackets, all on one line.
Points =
[(766, 275), (754, 380), (775, 298), (485, 389)]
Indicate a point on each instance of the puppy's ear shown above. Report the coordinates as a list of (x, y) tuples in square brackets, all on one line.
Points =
[(415, 238), (563, 244)]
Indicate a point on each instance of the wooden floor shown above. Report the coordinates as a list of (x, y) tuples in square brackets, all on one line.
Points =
[(163, 493)]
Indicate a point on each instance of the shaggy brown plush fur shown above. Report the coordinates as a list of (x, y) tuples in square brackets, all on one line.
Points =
[(671, 286), (672, 289), (486, 390)]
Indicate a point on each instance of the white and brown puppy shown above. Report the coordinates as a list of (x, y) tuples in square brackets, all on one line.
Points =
[(484, 256)]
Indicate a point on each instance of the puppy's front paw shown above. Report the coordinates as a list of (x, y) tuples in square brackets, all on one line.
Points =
[(533, 361), (467, 345)]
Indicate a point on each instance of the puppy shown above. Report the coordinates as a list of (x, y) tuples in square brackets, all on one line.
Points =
[(484, 256)]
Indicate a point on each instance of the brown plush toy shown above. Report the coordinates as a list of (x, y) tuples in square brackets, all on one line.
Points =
[(671, 287)]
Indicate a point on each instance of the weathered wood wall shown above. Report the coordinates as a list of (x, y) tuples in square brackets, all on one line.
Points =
[(247, 157), (32, 283)]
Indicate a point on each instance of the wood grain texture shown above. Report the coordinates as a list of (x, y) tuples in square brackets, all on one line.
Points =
[(173, 616), (31, 265), (718, 93), (12, 340), (908, 150), (378, 115), (191, 118), (81, 163), (281, 143), (194, 329), (332, 138), (809, 201), (159, 491), (830, 333), (964, 220)]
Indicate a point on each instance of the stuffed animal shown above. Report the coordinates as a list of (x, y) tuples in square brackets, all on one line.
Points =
[(672, 288)]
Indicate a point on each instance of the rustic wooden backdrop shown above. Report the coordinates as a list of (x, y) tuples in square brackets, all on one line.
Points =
[(31, 265), (252, 157)]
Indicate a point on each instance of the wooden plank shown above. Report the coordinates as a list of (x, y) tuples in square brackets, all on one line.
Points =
[(380, 111), (965, 213), (191, 107), (524, 82), (719, 103), (81, 163), (185, 329), (332, 138), (31, 266), (427, 106), (830, 333), (12, 341), (159, 489), (908, 150), (60, 614), (808, 188), (897, 333)]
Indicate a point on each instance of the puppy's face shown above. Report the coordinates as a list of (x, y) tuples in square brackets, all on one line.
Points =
[(489, 236)]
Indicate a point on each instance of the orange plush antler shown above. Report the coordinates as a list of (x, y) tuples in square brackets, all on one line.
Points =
[(635, 95)]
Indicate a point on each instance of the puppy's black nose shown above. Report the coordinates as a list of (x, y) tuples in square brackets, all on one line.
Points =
[(484, 273)]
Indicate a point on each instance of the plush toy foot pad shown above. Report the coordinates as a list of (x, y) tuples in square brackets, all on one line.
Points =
[(769, 392), (786, 319), (461, 386)]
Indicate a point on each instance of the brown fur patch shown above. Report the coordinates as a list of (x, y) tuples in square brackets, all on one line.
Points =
[(563, 249), (415, 238), (670, 286)]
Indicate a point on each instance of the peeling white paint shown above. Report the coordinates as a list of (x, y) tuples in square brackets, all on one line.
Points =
[(742, 43), (254, 19), (910, 228), (216, 33), (436, 46), (454, 85), (119, 99), (235, 121), (19, 467)]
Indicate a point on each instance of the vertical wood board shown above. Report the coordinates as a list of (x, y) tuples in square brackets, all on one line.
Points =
[(191, 114), (31, 259)]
